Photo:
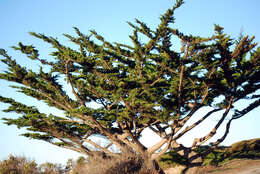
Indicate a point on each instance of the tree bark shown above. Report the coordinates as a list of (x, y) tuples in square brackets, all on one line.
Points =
[(151, 167), (194, 163)]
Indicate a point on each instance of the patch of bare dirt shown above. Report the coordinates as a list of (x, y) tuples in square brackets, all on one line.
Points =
[(175, 170), (241, 166)]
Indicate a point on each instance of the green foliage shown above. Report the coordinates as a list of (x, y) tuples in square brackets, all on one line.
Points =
[(249, 149), (171, 159), (80, 160), (243, 149)]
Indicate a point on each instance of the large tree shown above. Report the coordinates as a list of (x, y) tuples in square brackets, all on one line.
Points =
[(144, 85)]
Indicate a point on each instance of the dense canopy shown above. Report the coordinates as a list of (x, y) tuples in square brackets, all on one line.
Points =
[(148, 84)]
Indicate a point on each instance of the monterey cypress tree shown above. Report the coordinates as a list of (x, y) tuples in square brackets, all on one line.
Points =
[(139, 86)]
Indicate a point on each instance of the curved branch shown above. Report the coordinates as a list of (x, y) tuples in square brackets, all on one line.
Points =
[(188, 128), (216, 143), (157, 146), (159, 154), (199, 141), (178, 124)]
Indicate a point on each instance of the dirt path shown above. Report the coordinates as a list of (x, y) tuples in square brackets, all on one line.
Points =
[(252, 171), (238, 167), (233, 167)]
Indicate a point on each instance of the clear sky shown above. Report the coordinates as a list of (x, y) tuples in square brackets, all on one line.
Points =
[(18, 17)]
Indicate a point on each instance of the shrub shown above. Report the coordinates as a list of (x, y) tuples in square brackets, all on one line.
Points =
[(23, 165), (246, 145), (50, 168), (171, 159), (18, 165)]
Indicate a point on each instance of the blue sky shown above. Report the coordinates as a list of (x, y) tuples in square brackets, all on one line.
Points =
[(18, 17)]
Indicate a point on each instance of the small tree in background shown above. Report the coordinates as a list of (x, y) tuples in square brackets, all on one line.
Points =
[(139, 86)]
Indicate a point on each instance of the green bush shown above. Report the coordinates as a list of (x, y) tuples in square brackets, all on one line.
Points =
[(171, 159), (242, 149)]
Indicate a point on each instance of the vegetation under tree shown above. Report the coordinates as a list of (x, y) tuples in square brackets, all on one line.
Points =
[(148, 84)]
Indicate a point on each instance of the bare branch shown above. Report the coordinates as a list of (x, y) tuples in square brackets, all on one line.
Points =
[(109, 106), (159, 131), (188, 128), (157, 146), (109, 145), (71, 121), (216, 143), (159, 154), (178, 124), (105, 150), (199, 141), (152, 84), (180, 149)]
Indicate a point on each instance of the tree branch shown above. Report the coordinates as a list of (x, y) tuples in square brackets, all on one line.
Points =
[(188, 128), (178, 124), (67, 108), (135, 144), (159, 154), (81, 101), (181, 81), (216, 143), (105, 150), (159, 131), (199, 141), (157, 146)]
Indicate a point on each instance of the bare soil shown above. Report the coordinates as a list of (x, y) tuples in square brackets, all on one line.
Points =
[(240, 166)]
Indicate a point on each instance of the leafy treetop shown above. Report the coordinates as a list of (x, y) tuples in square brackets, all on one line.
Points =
[(144, 85)]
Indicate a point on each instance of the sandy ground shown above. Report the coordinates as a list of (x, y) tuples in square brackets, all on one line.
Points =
[(233, 167), (252, 171)]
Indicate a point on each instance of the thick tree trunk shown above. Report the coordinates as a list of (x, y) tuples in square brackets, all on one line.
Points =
[(194, 160), (151, 167)]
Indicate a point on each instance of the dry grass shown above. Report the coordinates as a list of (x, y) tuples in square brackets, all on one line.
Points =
[(246, 145), (22, 165), (122, 165), (18, 165)]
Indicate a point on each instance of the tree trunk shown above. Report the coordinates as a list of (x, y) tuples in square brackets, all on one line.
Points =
[(194, 163), (151, 167)]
